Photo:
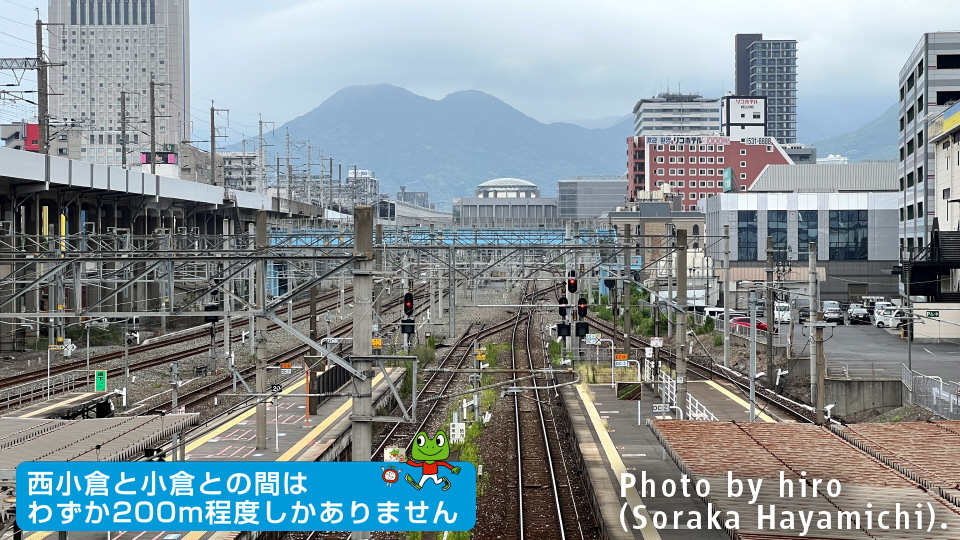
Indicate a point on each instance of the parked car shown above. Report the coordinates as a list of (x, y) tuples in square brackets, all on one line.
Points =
[(830, 304), (852, 307), (733, 315), (745, 323), (859, 315), (878, 307), (833, 315), (804, 314), (889, 318)]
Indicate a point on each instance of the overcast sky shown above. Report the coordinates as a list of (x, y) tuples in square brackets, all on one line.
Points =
[(553, 60)]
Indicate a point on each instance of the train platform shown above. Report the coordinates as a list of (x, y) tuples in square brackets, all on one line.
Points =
[(613, 438), (235, 440), (69, 406)]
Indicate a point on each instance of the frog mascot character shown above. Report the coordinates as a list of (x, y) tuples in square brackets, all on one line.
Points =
[(430, 454)]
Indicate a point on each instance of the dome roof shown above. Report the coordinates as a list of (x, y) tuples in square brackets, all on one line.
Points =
[(507, 183)]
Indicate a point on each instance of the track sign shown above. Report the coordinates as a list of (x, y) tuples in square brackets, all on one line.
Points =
[(181, 410), (54, 347), (661, 407), (275, 388), (100, 381), (620, 356), (481, 356), (285, 371), (933, 314), (621, 363), (590, 339), (648, 352), (656, 342), (285, 365), (377, 343), (458, 431)]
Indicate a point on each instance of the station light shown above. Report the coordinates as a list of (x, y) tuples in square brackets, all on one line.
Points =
[(563, 306), (408, 304), (582, 308)]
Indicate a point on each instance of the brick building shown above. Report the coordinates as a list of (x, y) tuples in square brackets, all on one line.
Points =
[(693, 166)]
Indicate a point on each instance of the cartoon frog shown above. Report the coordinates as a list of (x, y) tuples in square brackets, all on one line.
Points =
[(431, 453)]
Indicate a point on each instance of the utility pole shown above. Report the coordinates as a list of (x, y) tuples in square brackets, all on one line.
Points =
[(753, 353), (726, 296), (355, 181), (43, 95), (362, 331), (313, 401), (812, 286), (213, 146), (260, 337), (771, 316), (627, 288), (153, 126), (821, 370), (670, 296), (174, 383), (309, 172), (278, 178), (682, 322), (261, 162), (123, 128), (243, 164), (289, 174)]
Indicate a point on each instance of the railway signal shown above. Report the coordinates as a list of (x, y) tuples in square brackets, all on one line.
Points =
[(563, 306), (408, 304), (563, 330), (582, 308), (572, 283)]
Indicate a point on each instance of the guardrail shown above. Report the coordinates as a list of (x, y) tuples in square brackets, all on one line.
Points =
[(934, 394), (668, 385)]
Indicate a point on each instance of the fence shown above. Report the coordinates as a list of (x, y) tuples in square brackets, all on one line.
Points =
[(695, 409), (936, 395), (37, 391)]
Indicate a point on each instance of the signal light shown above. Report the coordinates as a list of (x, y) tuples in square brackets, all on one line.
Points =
[(572, 285), (582, 308), (408, 304), (563, 330), (583, 329), (563, 306)]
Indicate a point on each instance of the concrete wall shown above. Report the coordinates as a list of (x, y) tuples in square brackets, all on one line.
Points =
[(945, 326), (854, 397)]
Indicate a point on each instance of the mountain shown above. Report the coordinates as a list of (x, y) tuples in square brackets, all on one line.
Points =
[(448, 146), (598, 123), (876, 140)]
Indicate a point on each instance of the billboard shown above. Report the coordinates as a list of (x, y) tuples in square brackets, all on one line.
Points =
[(728, 180), (944, 123)]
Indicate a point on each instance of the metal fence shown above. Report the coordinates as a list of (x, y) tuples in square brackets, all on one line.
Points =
[(936, 395), (695, 409), (42, 389)]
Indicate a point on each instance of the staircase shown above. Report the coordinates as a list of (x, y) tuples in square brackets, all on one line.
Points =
[(950, 246)]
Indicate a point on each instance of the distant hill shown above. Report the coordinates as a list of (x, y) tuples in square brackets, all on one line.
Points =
[(876, 140), (449, 146)]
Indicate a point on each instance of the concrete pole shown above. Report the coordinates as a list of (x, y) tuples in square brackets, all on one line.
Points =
[(812, 291), (726, 296), (670, 298), (771, 317), (362, 332), (227, 298), (753, 354), (434, 315), (260, 336), (313, 401), (252, 297), (682, 322), (821, 371), (627, 321), (452, 294)]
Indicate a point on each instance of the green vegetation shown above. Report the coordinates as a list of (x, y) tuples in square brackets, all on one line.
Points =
[(98, 336), (553, 349), (718, 340)]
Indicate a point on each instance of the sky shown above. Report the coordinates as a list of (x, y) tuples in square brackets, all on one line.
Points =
[(556, 60)]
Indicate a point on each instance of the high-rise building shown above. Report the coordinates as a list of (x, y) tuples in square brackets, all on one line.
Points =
[(676, 114), (929, 83), (109, 46), (768, 68)]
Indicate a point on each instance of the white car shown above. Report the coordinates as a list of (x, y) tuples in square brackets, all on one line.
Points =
[(852, 307), (889, 318), (781, 312)]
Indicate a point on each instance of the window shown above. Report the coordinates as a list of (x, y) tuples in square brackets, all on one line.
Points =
[(659, 172), (901, 123), (673, 184), (920, 104), (948, 96), (910, 212), (769, 148), (743, 176), (703, 183), (747, 235), (901, 214), (910, 147), (806, 233), (673, 147), (703, 172), (673, 172), (659, 159), (660, 147), (703, 159), (710, 159), (910, 179), (777, 228), (920, 69), (709, 149), (710, 183), (720, 160), (679, 159), (919, 139), (920, 209), (743, 188), (910, 81), (696, 231), (848, 235), (901, 153), (693, 172), (946, 194), (743, 163), (902, 185), (910, 115), (948, 61), (680, 183), (720, 149), (743, 151), (673, 159), (919, 174), (703, 195), (693, 195)]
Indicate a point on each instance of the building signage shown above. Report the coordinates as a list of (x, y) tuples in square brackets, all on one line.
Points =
[(933, 314), (945, 122), (728, 180), (757, 141), (668, 139)]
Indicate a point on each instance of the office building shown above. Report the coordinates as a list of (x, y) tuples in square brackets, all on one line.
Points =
[(929, 83), (113, 46), (743, 116), (692, 167), (768, 68), (676, 114), (506, 202), (849, 210), (416, 198), (63, 142), (801, 154), (586, 197)]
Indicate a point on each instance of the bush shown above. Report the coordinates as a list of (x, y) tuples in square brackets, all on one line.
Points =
[(718, 340)]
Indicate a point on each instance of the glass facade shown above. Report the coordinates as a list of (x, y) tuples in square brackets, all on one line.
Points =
[(806, 232), (777, 228), (848, 235), (747, 235)]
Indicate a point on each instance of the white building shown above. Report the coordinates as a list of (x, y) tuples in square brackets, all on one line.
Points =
[(676, 114), (833, 159), (113, 46), (743, 116), (929, 83), (243, 170)]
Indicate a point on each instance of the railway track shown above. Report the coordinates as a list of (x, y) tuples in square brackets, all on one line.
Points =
[(704, 367)]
